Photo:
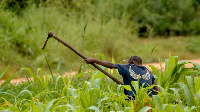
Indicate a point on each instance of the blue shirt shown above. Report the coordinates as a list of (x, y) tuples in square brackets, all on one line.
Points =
[(131, 73)]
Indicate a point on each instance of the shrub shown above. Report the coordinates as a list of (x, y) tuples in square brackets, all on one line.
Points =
[(165, 17), (193, 45)]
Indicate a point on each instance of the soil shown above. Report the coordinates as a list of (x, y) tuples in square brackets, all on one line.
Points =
[(157, 65)]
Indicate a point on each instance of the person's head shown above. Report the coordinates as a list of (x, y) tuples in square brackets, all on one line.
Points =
[(136, 60)]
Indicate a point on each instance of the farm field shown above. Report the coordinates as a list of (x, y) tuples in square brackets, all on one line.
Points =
[(93, 91), (164, 33)]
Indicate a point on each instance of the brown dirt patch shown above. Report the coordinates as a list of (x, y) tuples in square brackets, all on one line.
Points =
[(157, 65)]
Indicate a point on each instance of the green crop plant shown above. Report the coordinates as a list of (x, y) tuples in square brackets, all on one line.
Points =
[(174, 71), (190, 91), (98, 93)]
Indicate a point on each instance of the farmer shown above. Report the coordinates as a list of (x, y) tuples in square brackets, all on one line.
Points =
[(130, 72)]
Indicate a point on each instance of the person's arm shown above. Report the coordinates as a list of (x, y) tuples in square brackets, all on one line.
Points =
[(103, 63), (155, 87)]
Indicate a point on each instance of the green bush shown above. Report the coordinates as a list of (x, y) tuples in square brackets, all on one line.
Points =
[(16, 5), (164, 17), (193, 45), (94, 26), (23, 36)]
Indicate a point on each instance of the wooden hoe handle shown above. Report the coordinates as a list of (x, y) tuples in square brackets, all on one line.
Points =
[(51, 34)]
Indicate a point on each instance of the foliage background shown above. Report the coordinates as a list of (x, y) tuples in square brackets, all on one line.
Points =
[(147, 28)]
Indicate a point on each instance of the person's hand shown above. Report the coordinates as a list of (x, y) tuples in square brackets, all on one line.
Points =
[(89, 60)]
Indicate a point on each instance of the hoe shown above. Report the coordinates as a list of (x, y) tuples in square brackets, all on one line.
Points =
[(51, 34)]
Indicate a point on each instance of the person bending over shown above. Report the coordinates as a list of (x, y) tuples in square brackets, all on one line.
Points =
[(130, 72)]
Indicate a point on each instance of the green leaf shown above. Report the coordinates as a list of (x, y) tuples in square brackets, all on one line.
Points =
[(182, 73), (39, 70), (47, 81), (5, 110), (101, 20), (158, 102), (198, 94), (164, 106), (196, 65), (92, 96), (167, 107), (173, 107), (27, 91), (102, 57), (166, 64), (187, 93), (178, 108), (193, 107), (86, 87), (4, 71), (176, 59), (133, 107), (154, 69), (36, 79), (85, 101), (135, 84), (40, 105), (127, 87), (96, 109), (155, 110), (59, 63), (73, 92), (103, 99), (190, 81), (5, 100), (163, 92), (183, 61), (79, 75), (57, 81), (94, 75), (197, 83), (47, 108), (100, 75), (49, 67), (175, 92), (97, 83), (127, 109), (113, 60), (170, 64), (8, 81), (85, 26), (80, 69), (71, 107), (34, 107), (145, 109)]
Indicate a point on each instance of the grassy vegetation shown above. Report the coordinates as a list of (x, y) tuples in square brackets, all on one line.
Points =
[(90, 90), (90, 28), (102, 29)]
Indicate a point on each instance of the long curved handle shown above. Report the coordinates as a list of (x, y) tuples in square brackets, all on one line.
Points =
[(45, 42), (51, 34)]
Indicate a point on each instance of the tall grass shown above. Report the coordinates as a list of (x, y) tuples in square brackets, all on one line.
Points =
[(99, 93), (101, 30)]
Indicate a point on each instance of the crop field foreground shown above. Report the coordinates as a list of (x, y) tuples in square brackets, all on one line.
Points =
[(116, 29), (179, 91)]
